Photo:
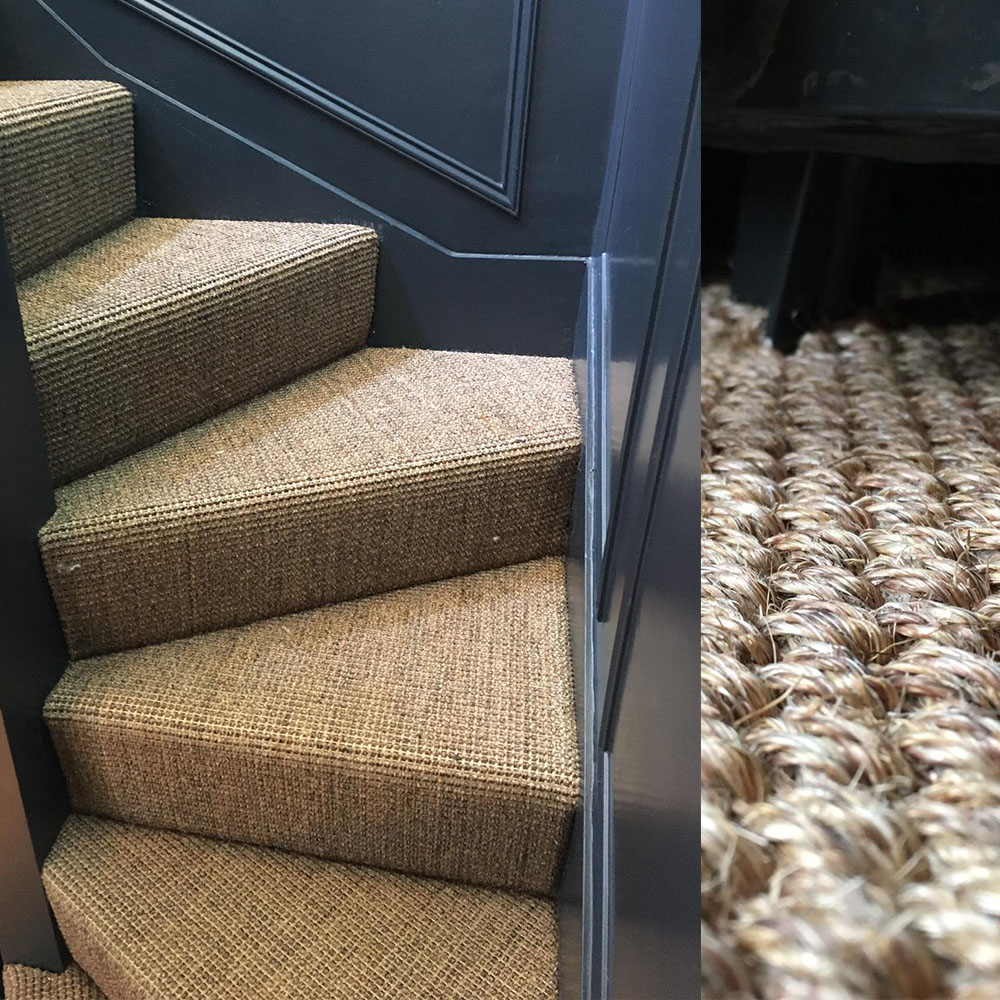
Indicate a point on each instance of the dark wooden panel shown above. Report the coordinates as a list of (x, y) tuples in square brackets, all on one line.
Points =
[(649, 233), (886, 78), (884, 58), (656, 370), (639, 312)]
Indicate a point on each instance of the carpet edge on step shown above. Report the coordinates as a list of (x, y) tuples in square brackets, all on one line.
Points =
[(22, 982)]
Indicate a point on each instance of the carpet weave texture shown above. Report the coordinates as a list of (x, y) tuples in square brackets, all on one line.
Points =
[(319, 727), (290, 927), (428, 730), (21, 982), (389, 468), (164, 322), (850, 682), (66, 166)]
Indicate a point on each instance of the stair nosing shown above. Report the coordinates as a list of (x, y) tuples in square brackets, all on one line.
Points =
[(565, 792), (28, 113)]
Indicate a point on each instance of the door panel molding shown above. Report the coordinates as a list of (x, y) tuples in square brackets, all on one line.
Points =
[(503, 190)]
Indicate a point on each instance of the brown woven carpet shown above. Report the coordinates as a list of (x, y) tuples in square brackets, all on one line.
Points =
[(851, 623), (21, 982), (165, 322), (390, 468), (161, 916), (429, 730), (66, 172), (321, 695)]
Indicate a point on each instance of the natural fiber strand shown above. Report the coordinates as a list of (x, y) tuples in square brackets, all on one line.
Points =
[(850, 689)]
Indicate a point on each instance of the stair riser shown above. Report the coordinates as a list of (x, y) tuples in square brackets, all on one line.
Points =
[(455, 828), (120, 586), (133, 379), (66, 176)]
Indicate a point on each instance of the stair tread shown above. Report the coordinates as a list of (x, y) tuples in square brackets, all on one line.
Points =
[(429, 729), (389, 468), (164, 322), (66, 165), (152, 915)]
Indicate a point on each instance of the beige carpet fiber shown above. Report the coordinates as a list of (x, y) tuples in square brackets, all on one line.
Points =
[(428, 730), (21, 982), (851, 624), (164, 322), (390, 468), (66, 172), (184, 918)]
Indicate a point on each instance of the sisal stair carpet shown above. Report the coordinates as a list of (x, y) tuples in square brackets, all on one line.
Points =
[(319, 728), (850, 683), (66, 168), (414, 744), (164, 322), (390, 468)]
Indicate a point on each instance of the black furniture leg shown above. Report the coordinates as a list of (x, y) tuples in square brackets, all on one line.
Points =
[(807, 245)]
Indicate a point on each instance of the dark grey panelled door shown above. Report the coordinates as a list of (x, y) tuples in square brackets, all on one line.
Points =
[(651, 249), (650, 740), (647, 748)]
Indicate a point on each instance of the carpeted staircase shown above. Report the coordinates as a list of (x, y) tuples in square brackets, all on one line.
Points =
[(318, 729)]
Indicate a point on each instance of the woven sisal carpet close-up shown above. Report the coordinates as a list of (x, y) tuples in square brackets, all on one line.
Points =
[(850, 687)]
